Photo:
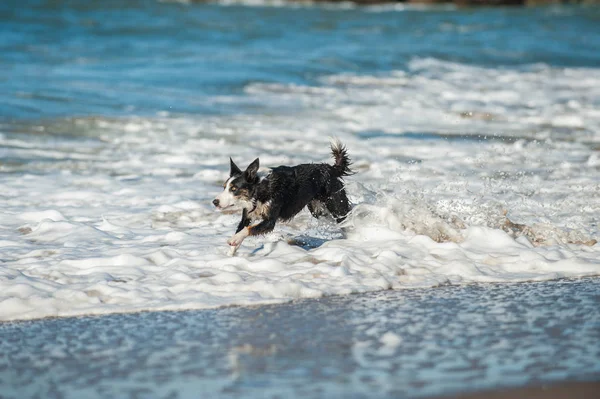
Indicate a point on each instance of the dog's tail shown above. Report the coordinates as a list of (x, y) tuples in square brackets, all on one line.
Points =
[(341, 167)]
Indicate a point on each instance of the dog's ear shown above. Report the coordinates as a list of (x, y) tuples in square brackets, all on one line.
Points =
[(234, 170), (251, 170)]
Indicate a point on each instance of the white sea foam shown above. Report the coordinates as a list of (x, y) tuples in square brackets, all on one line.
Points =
[(465, 174)]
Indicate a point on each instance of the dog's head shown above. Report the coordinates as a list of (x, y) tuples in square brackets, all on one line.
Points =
[(239, 187)]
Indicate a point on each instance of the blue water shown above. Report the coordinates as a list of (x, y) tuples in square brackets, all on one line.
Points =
[(66, 58)]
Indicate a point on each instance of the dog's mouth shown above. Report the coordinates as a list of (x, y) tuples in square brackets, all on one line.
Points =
[(227, 208), (233, 206)]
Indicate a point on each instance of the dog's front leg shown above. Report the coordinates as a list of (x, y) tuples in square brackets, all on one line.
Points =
[(244, 222), (264, 227), (236, 240)]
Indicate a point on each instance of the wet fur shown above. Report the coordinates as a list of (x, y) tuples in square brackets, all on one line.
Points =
[(284, 192)]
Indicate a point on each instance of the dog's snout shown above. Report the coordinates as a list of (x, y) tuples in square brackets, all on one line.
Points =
[(216, 202)]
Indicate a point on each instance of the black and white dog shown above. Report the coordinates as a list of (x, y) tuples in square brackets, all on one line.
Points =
[(284, 192)]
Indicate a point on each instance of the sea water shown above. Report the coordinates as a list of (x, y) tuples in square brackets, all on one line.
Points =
[(474, 134)]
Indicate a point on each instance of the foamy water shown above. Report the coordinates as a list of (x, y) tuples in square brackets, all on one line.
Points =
[(465, 173), (121, 220)]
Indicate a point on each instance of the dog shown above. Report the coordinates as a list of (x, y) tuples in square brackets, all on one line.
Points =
[(284, 192)]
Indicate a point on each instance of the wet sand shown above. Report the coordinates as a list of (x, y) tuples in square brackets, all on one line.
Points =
[(565, 390), (450, 340)]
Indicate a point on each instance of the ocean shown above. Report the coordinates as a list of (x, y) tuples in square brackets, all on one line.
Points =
[(474, 134)]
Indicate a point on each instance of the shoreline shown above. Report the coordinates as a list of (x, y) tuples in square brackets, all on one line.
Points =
[(294, 301), (554, 390)]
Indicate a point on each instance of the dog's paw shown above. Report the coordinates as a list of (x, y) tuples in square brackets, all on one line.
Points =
[(232, 251), (237, 239)]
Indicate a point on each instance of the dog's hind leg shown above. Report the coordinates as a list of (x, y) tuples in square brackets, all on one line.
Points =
[(338, 205)]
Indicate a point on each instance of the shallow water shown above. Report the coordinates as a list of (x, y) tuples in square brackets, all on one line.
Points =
[(410, 343), (475, 135)]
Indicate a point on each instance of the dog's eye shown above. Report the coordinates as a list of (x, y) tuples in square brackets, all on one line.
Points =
[(233, 189)]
